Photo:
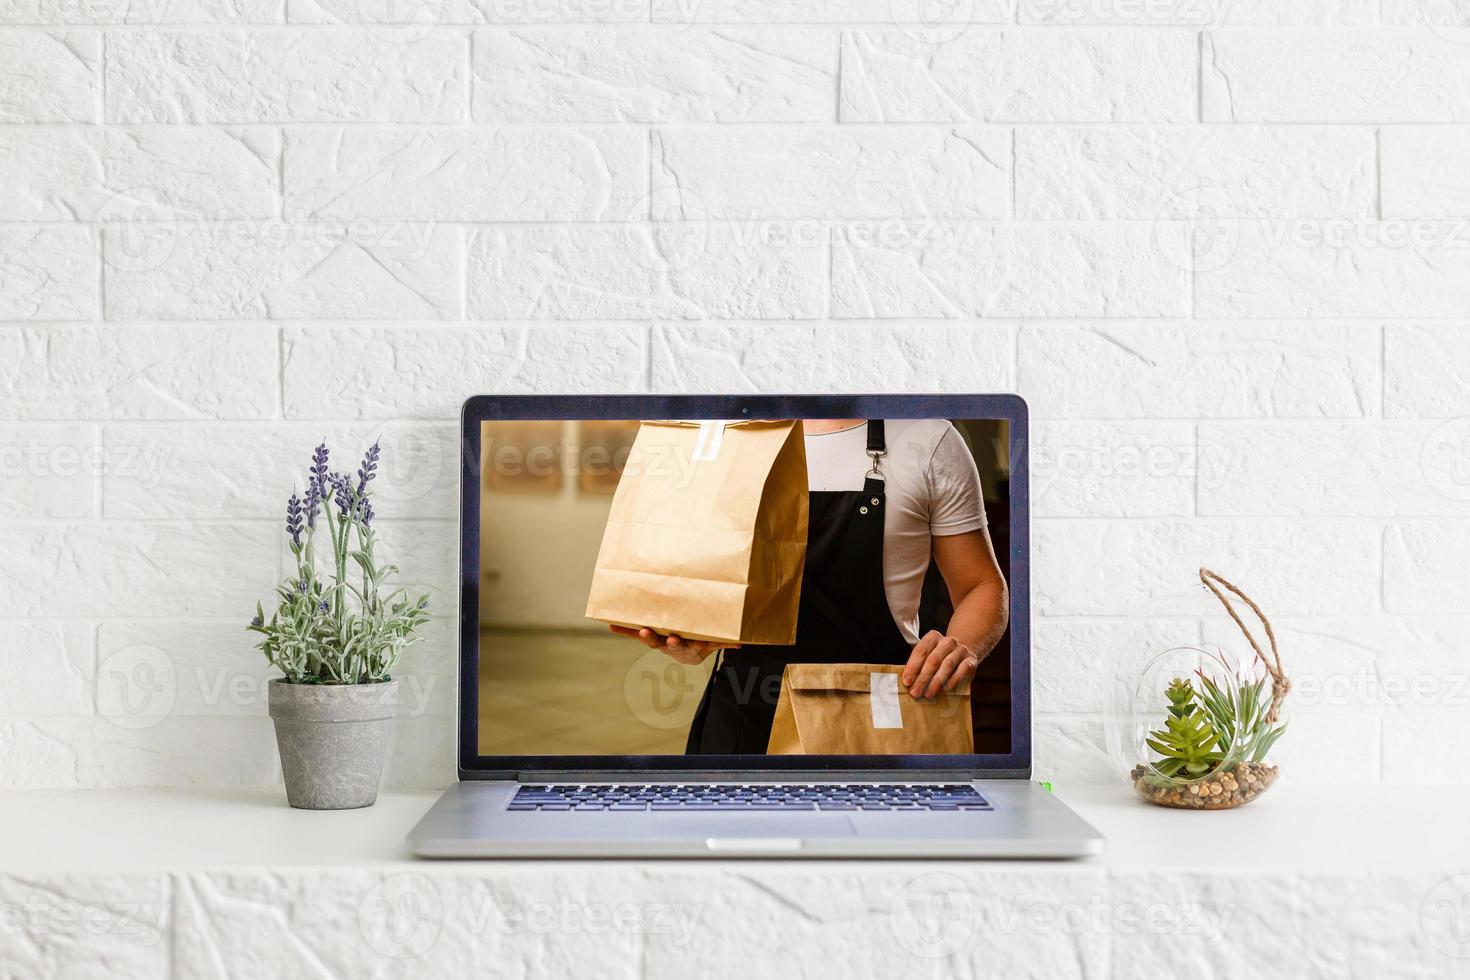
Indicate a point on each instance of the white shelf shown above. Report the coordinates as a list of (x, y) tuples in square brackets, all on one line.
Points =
[(1307, 881)]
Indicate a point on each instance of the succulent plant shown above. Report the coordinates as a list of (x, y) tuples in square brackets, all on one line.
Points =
[(1213, 727), (1188, 744), (1241, 715)]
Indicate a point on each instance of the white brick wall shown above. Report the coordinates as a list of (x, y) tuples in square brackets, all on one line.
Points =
[(1229, 237)]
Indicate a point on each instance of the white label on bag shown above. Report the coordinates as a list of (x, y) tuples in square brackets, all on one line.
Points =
[(884, 691), (707, 443)]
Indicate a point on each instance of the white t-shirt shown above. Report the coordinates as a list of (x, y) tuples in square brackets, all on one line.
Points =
[(932, 488)]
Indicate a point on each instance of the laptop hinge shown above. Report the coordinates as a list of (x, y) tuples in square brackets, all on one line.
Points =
[(747, 776)]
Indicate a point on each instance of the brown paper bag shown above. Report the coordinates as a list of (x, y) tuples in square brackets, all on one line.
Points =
[(864, 709), (707, 533)]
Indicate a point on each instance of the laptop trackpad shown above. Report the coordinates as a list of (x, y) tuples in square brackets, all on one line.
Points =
[(769, 825)]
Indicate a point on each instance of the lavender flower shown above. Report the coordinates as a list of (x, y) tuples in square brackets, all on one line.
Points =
[(384, 618), (316, 484), (313, 502), (319, 463), (294, 517), (368, 469), (342, 488)]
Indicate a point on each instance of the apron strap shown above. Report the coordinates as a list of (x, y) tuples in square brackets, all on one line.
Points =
[(876, 442), (877, 445)]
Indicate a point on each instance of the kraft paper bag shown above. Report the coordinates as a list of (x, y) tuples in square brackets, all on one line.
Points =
[(864, 709), (706, 537)]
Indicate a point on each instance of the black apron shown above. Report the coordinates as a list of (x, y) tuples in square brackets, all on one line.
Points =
[(843, 618)]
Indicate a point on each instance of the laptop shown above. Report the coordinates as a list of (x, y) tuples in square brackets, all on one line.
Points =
[(746, 626)]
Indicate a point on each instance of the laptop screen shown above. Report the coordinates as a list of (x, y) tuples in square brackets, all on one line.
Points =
[(694, 590)]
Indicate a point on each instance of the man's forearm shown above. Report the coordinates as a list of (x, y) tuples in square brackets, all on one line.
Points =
[(981, 616)]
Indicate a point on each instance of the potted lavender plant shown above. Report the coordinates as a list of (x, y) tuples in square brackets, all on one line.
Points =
[(335, 638)]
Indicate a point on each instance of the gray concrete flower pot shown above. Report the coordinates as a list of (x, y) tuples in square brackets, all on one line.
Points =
[(333, 739)]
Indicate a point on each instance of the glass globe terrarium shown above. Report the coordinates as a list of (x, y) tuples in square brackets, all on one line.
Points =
[(1198, 701)]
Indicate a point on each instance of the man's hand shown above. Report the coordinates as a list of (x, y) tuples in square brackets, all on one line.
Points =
[(938, 662), (688, 652)]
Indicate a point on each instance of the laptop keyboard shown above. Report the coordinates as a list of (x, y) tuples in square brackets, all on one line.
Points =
[(749, 796)]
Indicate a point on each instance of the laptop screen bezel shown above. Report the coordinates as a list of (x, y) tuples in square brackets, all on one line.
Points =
[(486, 408)]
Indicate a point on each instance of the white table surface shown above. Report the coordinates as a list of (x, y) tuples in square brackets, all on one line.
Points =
[(1307, 828)]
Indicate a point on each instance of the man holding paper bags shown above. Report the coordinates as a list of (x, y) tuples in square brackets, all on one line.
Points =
[(883, 499)]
